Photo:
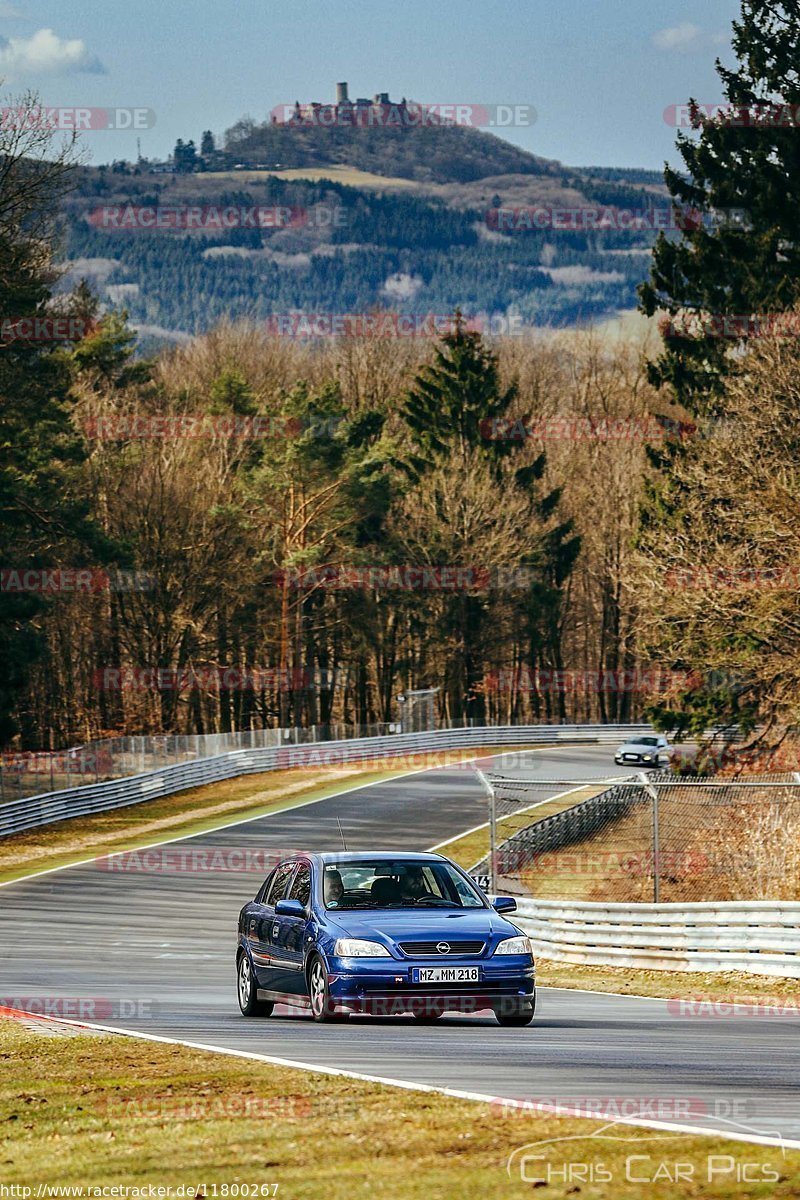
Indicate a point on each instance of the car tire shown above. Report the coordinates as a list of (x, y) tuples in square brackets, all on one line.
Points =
[(428, 1017), (322, 1008), (513, 1018), (247, 991)]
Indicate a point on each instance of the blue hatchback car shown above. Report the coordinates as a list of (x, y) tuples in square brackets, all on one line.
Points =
[(381, 933)]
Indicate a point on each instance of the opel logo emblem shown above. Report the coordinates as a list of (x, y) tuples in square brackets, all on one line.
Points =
[(443, 947)]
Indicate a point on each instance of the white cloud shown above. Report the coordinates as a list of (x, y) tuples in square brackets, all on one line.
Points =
[(172, 335), (687, 36), (570, 276), (118, 293), (96, 270), (44, 53), (401, 286)]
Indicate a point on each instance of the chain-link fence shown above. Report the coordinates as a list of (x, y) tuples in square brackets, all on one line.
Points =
[(652, 837)]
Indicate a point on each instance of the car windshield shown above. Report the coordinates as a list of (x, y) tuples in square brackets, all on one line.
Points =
[(406, 883), (646, 741)]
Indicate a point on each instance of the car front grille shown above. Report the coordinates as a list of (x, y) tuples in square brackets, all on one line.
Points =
[(423, 949)]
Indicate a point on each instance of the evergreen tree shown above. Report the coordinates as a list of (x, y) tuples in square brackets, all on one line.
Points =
[(743, 259), (44, 522), (745, 160), (454, 401), (451, 411)]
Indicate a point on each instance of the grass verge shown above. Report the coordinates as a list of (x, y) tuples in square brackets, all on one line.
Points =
[(111, 1110), (725, 987)]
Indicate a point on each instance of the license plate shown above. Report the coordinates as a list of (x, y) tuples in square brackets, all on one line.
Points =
[(445, 974)]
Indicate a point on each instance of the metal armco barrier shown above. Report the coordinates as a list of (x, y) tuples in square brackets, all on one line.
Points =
[(760, 937), (34, 811)]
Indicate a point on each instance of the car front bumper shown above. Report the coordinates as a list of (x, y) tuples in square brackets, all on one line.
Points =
[(385, 987)]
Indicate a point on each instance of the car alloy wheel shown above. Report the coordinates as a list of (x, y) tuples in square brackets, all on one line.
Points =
[(249, 1003), (319, 993)]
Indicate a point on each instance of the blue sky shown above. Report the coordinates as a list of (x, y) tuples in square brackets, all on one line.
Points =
[(598, 72)]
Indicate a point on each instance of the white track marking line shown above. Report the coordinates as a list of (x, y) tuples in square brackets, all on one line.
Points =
[(185, 837), (408, 1085)]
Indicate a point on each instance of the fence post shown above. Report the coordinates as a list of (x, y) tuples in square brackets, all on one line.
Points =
[(652, 791), (492, 831)]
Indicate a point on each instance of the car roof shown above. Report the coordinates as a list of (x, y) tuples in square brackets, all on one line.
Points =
[(343, 856)]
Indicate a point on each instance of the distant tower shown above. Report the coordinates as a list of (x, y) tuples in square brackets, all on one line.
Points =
[(341, 93)]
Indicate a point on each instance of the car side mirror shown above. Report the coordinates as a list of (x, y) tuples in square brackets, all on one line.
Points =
[(290, 908), (503, 904)]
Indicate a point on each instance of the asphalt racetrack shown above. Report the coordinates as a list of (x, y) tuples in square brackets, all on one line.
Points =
[(155, 950)]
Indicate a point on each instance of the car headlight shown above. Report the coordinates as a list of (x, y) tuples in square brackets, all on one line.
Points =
[(358, 948), (647, 758), (515, 945)]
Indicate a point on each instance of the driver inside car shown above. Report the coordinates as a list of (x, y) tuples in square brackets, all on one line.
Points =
[(334, 888), (413, 885)]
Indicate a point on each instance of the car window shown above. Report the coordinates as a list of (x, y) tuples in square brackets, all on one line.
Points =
[(263, 890), (278, 885), (301, 885), (401, 884), (647, 741)]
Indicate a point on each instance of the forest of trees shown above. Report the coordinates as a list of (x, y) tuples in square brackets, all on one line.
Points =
[(280, 532), (253, 547), (447, 256)]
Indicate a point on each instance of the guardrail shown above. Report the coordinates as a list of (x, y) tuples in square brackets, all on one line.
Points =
[(759, 937), (34, 811)]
